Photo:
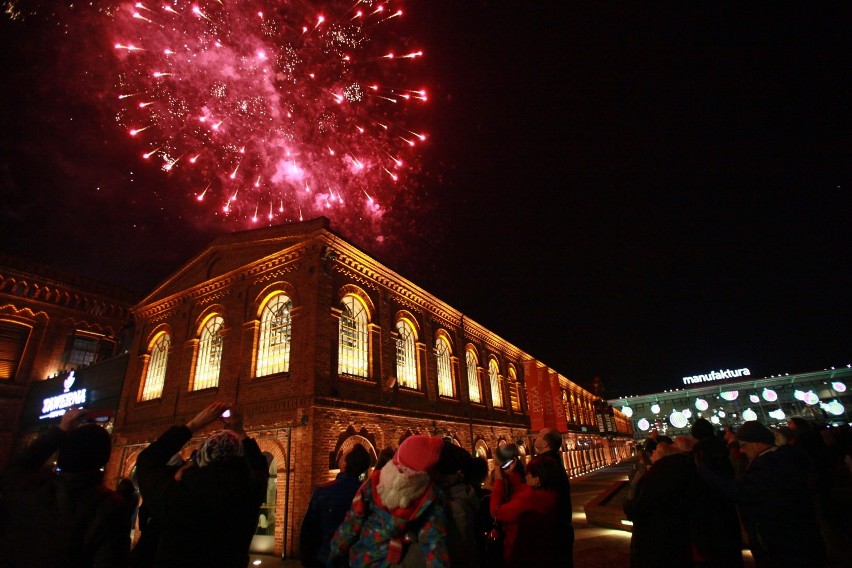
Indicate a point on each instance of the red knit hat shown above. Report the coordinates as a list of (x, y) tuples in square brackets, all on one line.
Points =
[(419, 453)]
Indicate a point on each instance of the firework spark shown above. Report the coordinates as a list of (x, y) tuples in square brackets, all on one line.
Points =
[(269, 99)]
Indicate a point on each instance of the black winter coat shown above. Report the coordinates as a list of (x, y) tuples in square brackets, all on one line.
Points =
[(660, 514), (777, 508), (207, 518), (60, 519)]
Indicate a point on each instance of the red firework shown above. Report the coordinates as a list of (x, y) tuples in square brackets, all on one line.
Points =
[(271, 110)]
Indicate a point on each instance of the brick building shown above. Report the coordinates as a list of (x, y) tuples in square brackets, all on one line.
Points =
[(52, 323), (322, 347)]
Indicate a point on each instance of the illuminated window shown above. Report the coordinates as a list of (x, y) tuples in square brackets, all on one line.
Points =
[(406, 356), (209, 354), (354, 338), (273, 350), (514, 396), (84, 348), (472, 376), (496, 384), (445, 372), (155, 378), (13, 340)]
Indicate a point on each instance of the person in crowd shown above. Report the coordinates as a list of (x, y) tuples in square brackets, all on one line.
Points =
[(774, 499), (684, 443), (461, 504), (661, 538), (811, 439), (529, 515), (399, 506), (208, 509), (716, 531), (640, 468), (384, 457), (328, 506), (143, 553), (64, 517), (548, 443), (476, 473), (738, 459)]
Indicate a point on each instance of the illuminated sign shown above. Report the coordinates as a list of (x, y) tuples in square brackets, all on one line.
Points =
[(54, 406), (716, 376)]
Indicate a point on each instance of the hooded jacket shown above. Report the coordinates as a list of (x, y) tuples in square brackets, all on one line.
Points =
[(370, 531)]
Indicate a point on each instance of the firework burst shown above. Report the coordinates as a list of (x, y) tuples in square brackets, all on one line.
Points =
[(271, 111)]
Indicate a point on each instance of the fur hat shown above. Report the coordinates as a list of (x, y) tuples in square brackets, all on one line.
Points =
[(85, 448), (419, 453), (754, 431), (219, 446)]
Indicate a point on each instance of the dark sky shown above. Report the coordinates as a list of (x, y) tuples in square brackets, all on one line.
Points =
[(638, 192)]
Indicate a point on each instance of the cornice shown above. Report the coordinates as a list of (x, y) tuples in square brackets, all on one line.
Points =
[(357, 265), (24, 313), (262, 270)]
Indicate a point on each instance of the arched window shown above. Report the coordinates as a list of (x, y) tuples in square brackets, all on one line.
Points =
[(406, 355), (445, 371), (352, 356), (155, 378), (472, 376), (273, 350), (209, 354), (514, 395), (496, 384)]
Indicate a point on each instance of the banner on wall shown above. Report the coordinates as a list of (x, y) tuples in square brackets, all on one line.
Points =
[(559, 421), (535, 396)]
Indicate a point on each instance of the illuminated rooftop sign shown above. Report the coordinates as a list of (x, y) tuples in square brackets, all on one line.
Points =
[(716, 376)]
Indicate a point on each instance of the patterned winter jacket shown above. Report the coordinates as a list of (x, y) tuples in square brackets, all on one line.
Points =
[(372, 536)]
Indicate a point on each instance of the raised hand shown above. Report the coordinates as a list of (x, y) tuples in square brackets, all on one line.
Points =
[(206, 416)]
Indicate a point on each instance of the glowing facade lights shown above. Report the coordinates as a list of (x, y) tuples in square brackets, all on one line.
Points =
[(777, 414), (810, 398), (714, 419), (678, 420), (655, 408), (769, 395), (749, 414), (729, 395), (835, 408), (627, 411), (838, 386), (687, 412), (701, 404), (643, 424), (754, 398)]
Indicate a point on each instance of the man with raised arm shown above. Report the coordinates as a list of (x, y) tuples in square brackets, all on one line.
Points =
[(208, 510)]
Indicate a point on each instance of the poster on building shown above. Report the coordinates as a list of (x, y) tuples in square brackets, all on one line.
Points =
[(559, 421), (534, 395)]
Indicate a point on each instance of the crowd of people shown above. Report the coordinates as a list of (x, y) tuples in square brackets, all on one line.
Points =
[(427, 503), (694, 501), (198, 512), (785, 494)]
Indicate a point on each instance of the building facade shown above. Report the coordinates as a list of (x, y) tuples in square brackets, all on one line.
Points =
[(53, 323), (820, 396), (323, 347)]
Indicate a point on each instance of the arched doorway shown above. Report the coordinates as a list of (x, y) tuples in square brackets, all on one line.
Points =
[(263, 541)]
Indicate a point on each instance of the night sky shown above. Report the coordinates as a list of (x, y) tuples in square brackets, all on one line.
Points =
[(636, 192)]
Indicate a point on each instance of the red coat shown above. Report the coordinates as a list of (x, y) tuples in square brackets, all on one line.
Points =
[(528, 518)]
